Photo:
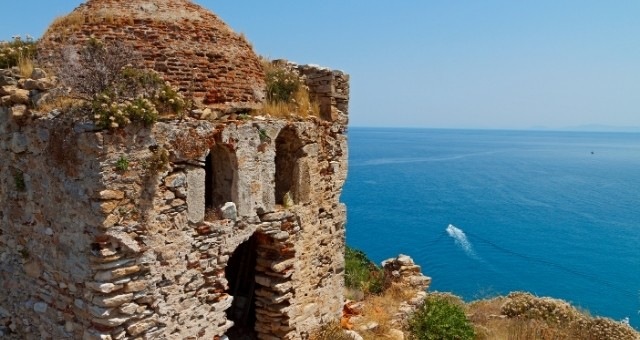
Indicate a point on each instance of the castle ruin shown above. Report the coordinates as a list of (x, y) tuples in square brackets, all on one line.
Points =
[(197, 227)]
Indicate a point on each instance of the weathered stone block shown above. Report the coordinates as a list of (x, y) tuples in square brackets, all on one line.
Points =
[(7, 90), (38, 73), (135, 286), (229, 211), (111, 195), (103, 287), (140, 326), (195, 194), (40, 307), (20, 96), (112, 301)]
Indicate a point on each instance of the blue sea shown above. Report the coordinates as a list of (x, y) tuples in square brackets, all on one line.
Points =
[(488, 212)]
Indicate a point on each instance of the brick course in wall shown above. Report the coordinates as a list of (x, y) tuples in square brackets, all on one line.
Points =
[(190, 46)]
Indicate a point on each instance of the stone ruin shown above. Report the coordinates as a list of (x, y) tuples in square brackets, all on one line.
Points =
[(217, 227)]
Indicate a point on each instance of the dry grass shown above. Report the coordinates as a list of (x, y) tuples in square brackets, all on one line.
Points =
[(71, 21), (282, 80), (330, 331), (62, 103), (25, 65), (530, 318), (301, 105), (521, 316), (75, 20), (380, 310)]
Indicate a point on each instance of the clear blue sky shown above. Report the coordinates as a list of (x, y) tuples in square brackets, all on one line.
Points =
[(444, 64)]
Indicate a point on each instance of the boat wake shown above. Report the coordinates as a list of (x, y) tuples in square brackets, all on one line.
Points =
[(461, 240)]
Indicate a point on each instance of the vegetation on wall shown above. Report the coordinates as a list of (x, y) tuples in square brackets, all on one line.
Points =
[(122, 164), (110, 77), (157, 162), (18, 52), (286, 93), (73, 21)]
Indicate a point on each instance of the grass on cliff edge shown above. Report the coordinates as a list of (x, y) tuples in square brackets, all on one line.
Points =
[(362, 276), (518, 316)]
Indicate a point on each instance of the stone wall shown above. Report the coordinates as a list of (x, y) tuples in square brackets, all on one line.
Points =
[(117, 234), (330, 88)]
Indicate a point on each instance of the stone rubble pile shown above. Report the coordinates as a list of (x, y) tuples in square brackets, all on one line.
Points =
[(21, 95), (402, 270)]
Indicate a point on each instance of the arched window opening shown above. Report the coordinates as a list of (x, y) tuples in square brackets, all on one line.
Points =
[(288, 153), (220, 169)]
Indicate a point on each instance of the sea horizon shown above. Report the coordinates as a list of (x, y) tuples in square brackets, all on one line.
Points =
[(487, 212), (591, 128)]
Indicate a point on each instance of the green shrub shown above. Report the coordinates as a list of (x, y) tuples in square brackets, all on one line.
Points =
[(440, 318), (111, 77), (281, 83), (361, 273), (286, 92), (122, 164)]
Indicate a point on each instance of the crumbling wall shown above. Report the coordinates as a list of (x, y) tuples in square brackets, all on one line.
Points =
[(330, 88), (50, 208), (113, 235)]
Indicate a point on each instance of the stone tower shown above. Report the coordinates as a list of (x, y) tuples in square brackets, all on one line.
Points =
[(188, 228)]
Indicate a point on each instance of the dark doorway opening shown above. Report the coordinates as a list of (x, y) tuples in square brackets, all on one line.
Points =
[(241, 275), (219, 177), (288, 151)]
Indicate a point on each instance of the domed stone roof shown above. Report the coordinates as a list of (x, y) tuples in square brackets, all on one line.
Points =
[(190, 46)]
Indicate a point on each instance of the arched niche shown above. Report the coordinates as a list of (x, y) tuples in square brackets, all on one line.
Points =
[(289, 169), (220, 177)]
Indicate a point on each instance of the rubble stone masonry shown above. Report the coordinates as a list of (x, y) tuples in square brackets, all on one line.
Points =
[(187, 229), (91, 248)]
